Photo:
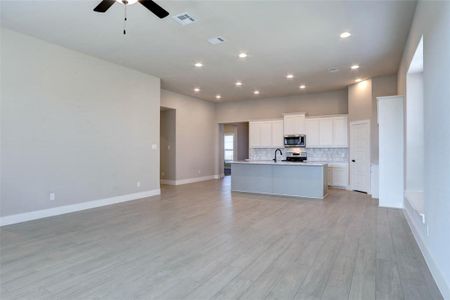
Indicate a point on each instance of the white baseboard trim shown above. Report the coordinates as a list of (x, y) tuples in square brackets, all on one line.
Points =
[(437, 275), (189, 180), (339, 187), (391, 206), (168, 181), (60, 210)]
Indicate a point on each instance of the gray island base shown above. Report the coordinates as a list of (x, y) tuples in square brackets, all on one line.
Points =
[(306, 180)]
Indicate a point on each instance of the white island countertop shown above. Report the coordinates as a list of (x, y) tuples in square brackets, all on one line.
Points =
[(279, 163)]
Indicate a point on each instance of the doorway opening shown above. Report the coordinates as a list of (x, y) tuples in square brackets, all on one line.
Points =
[(235, 144), (167, 157), (229, 152)]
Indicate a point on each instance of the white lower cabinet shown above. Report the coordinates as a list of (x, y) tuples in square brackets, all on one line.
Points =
[(338, 174)]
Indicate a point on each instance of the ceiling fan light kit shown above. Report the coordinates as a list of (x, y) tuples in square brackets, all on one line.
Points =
[(150, 5)]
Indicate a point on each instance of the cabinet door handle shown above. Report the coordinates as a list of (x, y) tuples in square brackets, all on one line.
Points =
[(353, 160)]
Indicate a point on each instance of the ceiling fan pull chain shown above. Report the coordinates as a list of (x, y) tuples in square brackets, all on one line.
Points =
[(125, 20)]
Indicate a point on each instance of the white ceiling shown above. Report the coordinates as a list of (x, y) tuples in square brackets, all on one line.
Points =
[(280, 37)]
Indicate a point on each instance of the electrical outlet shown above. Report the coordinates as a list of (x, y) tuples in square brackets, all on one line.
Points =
[(52, 196), (168, 147), (199, 172), (138, 184), (154, 146)]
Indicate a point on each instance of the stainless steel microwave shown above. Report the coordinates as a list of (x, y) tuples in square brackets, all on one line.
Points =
[(297, 140)]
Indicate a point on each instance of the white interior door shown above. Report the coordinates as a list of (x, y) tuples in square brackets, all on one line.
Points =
[(360, 156)]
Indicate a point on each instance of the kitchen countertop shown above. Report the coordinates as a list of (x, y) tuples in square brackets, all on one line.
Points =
[(279, 163)]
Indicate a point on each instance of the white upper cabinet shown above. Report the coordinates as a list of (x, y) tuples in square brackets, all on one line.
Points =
[(266, 134), (326, 132), (312, 132), (340, 131), (321, 132), (277, 133), (294, 124), (253, 134), (260, 134)]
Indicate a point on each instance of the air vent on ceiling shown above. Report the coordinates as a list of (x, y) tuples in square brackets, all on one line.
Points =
[(216, 40), (184, 19), (333, 70)]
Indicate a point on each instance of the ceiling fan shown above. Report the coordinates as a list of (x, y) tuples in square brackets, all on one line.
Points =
[(149, 4)]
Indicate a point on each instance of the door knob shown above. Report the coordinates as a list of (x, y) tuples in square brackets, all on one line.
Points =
[(353, 160)]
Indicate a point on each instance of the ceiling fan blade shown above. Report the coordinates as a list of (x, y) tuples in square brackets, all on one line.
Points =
[(154, 8), (104, 6)]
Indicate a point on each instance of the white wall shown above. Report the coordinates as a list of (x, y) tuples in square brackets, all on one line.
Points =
[(360, 101), (362, 104), (74, 125), (327, 103), (432, 20), (381, 86), (415, 156), (242, 141), (196, 135)]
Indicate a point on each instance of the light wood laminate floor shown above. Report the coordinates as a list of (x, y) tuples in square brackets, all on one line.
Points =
[(200, 241)]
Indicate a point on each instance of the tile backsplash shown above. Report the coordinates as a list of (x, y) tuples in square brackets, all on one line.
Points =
[(313, 154)]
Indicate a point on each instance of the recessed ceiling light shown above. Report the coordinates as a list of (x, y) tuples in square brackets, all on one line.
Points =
[(345, 35), (290, 76), (242, 55), (354, 67), (238, 83), (256, 92), (218, 96), (302, 86), (198, 65), (197, 90), (358, 80)]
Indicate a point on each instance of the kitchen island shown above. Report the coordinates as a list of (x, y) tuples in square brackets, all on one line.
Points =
[(307, 179)]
